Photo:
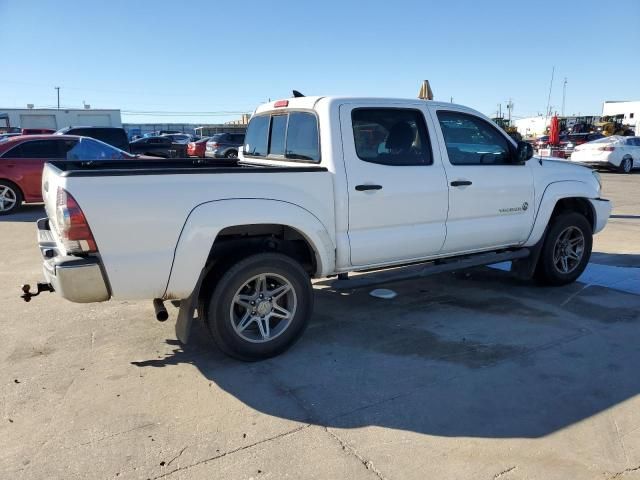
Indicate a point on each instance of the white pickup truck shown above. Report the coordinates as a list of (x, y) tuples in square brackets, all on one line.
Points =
[(324, 186)]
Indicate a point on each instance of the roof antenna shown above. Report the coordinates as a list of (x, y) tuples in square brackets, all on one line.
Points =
[(297, 94)]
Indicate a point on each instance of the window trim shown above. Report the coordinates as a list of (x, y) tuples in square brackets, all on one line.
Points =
[(424, 123), (508, 139), (284, 158)]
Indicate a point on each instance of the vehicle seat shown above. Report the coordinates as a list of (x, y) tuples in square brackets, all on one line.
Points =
[(401, 137)]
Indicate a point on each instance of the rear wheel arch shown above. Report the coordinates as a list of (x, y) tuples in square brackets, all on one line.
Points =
[(236, 243)]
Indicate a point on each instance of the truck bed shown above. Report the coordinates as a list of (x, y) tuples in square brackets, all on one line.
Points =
[(138, 209), (110, 168)]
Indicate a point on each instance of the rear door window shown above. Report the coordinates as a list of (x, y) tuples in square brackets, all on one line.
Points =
[(391, 136), (38, 149)]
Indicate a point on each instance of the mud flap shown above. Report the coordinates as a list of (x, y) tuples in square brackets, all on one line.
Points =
[(185, 319), (524, 268), (187, 310)]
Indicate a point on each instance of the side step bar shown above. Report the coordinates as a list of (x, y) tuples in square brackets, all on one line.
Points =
[(410, 272)]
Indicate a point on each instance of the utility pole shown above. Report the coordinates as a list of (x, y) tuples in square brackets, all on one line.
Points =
[(509, 108), (564, 94), (548, 113), (58, 89)]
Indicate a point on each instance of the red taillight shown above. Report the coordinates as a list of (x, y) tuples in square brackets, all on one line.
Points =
[(73, 226), (215, 145), (281, 103), (608, 148)]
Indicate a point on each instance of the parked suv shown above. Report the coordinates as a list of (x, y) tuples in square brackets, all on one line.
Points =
[(162, 146), (224, 145), (111, 135)]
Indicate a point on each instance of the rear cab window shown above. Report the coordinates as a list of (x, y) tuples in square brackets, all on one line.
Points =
[(284, 135)]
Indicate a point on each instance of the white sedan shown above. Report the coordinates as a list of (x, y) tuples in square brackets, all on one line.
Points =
[(615, 152)]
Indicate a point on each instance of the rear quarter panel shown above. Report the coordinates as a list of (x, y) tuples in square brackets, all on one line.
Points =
[(137, 219)]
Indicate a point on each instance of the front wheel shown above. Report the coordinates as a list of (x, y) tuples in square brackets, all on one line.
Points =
[(626, 165), (566, 250), (260, 306)]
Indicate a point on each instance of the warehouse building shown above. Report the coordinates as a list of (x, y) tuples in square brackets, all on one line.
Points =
[(55, 119)]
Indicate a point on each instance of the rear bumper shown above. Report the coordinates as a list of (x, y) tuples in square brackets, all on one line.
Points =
[(602, 209), (77, 279), (595, 163)]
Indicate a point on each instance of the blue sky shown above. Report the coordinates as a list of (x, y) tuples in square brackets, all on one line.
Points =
[(219, 57)]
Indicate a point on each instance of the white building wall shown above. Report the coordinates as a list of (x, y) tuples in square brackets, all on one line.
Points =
[(531, 126), (56, 119)]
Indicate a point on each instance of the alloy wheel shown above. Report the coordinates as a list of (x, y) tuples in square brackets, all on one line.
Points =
[(263, 308), (568, 250), (8, 198)]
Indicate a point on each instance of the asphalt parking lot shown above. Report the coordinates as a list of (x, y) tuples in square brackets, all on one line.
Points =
[(465, 375)]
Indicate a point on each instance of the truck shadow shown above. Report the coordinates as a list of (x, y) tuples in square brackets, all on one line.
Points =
[(26, 213), (474, 354)]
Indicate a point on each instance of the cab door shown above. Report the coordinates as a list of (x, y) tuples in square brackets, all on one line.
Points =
[(491, 197), (397, 189)]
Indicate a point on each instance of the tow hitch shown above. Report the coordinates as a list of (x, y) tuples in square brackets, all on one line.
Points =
[(41, 287)]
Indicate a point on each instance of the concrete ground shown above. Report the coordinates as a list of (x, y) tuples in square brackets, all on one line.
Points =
[(468, 375)]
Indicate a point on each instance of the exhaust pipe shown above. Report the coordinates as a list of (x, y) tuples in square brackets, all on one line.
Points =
[(161, 311)]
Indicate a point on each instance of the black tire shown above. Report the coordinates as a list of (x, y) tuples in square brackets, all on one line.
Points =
[(231, 154), (626, 166), (221, 309), (9, 191), (547, 271)]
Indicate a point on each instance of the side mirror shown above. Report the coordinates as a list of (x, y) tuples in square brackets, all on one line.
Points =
[(524, 152)]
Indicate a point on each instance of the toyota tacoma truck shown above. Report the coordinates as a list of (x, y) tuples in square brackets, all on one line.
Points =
[(323, 186)]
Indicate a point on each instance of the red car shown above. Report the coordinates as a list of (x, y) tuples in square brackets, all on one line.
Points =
[(22, 159), (197, 148)]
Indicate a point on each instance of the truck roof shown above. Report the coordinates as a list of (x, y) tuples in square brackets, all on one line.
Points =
[(310, 102)]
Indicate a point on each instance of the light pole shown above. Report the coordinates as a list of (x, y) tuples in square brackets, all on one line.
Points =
[(58, 89), (564, 93)]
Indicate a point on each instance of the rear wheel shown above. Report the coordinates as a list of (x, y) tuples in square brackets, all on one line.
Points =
[(10, 198), (626, 165), (566, 250), (260, 306), (231, 154)]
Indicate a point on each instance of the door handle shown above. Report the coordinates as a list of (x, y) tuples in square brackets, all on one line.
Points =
[(460, 183), (362, 188)]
